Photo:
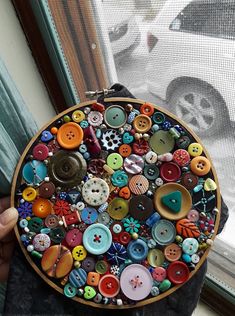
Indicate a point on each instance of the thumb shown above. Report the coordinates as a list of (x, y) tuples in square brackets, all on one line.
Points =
[(8, 220)]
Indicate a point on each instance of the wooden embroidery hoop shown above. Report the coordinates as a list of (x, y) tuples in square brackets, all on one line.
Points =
[(60, 289)]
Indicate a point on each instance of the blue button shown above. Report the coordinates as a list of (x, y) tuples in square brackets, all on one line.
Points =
[(137, 250), (34, 172), (153, 219), (77, 277), (89, 215), (163, 232), (97, 239)]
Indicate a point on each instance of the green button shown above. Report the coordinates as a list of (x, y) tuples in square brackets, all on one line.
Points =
[(158, 117), (173, 201), (101, 267), (115, 116), (115, 161), (57, 235), (165, 285), (89, 292), (162, 142), (35, 224), (69, 290)]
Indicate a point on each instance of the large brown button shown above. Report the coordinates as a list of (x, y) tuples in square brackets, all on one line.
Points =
[(189, 180), (140, 207), (46, 189), (67, 168)]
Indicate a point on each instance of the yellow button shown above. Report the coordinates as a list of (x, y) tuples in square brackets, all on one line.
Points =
[(142, 123), (195, 149), (155, 257), (78, 116), (79, 253), (29, 194), (118, 208)]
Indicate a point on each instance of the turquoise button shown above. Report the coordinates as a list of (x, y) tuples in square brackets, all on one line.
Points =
[(34, 172), (190, 246), (69, 290), (137, 250), (164, 232), (115, 116), (97, 239)]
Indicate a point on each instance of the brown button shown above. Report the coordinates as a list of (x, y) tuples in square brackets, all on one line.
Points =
[(140, 207), (189, 180), (142, 123), (172, 252), (138, 184), (67, 168), (46, 189)]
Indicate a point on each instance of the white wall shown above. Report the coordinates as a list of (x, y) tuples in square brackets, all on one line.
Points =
[(17, 56)]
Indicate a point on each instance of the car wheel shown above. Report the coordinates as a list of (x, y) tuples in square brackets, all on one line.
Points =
[(200, 108)]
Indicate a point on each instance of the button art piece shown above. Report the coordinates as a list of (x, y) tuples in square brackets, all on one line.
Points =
[(116, 202)]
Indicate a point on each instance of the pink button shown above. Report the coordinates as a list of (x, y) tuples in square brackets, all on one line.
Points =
[(136, 282), (74, 237), (40, 152), (193, 215), (159, 274)]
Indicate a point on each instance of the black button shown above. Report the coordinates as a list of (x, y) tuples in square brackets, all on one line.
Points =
[(140, 207)]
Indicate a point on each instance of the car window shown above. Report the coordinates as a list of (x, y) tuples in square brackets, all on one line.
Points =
[(215, 19)]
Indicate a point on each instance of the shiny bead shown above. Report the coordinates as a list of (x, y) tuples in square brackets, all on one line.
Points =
[(80, 292), (155, 128), (26, 229), (77, 264), (66, 119), (36, 254), (30, 248), (87, 110), (135, 236), (178, 239), (23, 223), (119, 302), (129, 107)]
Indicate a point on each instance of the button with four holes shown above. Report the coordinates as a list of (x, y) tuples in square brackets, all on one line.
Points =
[(70, 135)]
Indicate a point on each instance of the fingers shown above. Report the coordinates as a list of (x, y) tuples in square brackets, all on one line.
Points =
[(8, 220), (4, 204)]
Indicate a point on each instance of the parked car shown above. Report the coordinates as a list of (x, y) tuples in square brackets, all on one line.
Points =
[(124, 33), (192, 62)]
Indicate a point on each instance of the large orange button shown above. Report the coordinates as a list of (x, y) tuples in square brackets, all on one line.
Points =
[(42, 207), (125, 150), (200, 165), (70, 135), (142, 123)]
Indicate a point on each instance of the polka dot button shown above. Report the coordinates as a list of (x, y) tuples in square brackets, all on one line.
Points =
[(115, 116), (200, 165), (118, 208), (172, 252), (97, 239), (178, 272), (181, 157), (134, 164), (195, 149), (140, 207), (109, 285), (78, 116), (170, 172), (137, 250), (95, 191), (162, 142), (142, 123), (138, 184), (29, 194), (114, 161), (163, 232), (70, 135), (136, 282)]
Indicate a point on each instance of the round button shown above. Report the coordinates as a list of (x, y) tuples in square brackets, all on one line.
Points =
[(193, 215), (57, 234), (136, 282), (147, 109), (200, 165), (181, 157), (115, 161), (151, 157), (158, 118), (101, 267), (40, 152), (137, 250), (115, 116), (159, 274), (118, 208), (46, 190), (117, 253), (79, 253), (41, 242), (109, 285), (78, 116), (195, 149), (140, 207), (97, 239), (67, 169), (190, 246), (189, 180), (155, 257), (151, 172), (70, 135), (134, 164), (88, 264), (104, 218), (162, 142), (89, 215), (178, 272), (95, 191), (124, 238), (142, 123), (125, 150), (77, 277), (195, 258), (69, 290), (51, 221), (73, 237), (183, 142), (172, 252), (42, 207), (35, 224), (29, 194), (119, 178), (170, 172), (138, 184), (95, 118), (163, 232), (34, 172)]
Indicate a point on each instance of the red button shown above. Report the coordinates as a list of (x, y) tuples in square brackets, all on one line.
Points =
[(124, 238), (181, 157), (170, 172), (140, 147), (178, 272), (109, 285), (40, 152), (72, 218), (73, 237)]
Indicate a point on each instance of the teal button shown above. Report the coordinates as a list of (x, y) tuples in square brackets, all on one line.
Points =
[(69, 290), (115, 116), (34, 172)]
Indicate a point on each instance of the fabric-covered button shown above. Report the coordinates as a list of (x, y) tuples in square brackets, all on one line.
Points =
[(70, 135), (46, 190), (170, 172), (79, 253), (77, 277), (73, 237), (89, 215), (97, 239), (42, 207), (140, 207), (57, 261), (138, 184), (164, 232), (40, 152), (41, 242), (114, 161), (181, 157), (91, 142), (95, 191), (137, 250), (88, 264), (189, 180), (140, 147), (155, 257), (115, 116), (134, 164), (117, 253), (178, 272), (29, 194), (151, 172), (200, 165), (172, 252), (125, 150), (34, 172), (136, 282), (78, 116), (109, 285), (190, 246), (142, 123), (195, 149), (118, 208), (159, 274), (162, 142)]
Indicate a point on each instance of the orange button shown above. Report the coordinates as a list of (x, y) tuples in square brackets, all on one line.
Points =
[(125, 193), (172, 252), (42, 207), (70, 135), (93, 278), (142, 123), (147, 109), (125, 150), (200, 165)]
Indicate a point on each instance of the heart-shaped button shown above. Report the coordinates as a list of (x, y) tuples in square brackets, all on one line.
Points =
[(127, 138), (89, 292), (46, 136), (210, 185)]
